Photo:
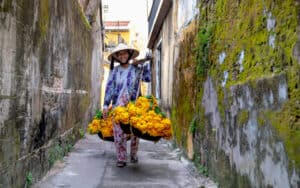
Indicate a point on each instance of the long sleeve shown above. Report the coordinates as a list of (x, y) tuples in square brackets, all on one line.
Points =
[(146, 77), (143, 73), (110, 87)]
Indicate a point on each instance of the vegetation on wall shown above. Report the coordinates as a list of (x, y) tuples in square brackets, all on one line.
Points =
[(258, 39), (184, 109), (238, 42), (82, 15), (6, 6), (43, 21), (44, 36)]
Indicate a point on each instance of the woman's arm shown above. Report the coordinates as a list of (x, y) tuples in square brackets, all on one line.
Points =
[(146, 77), (110, 87)]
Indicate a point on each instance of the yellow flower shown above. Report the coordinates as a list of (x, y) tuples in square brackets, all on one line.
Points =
[(121, 115), (104, 126), (92, 129), (140, 115)]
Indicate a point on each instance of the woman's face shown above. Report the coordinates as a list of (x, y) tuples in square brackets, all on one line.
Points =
[(123, 56)]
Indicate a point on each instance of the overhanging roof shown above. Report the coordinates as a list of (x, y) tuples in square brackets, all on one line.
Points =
[(116, 25), (159, 11)]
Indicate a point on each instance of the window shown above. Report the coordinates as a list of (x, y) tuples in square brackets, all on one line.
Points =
[(105, 8), (158, 72)]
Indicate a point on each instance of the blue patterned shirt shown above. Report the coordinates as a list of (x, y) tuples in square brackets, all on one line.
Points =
[(125, 82)]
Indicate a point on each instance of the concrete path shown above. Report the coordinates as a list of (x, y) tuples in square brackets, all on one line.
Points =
[(91, 164)]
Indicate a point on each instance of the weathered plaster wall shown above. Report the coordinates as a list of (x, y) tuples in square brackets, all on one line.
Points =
[(49, 78), (240, 64), (187, 10), (167, 61)]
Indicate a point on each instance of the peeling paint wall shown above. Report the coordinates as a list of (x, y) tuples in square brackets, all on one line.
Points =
[(187, 10), (50, 60), (166, 40), (167, 65), (236, 92)]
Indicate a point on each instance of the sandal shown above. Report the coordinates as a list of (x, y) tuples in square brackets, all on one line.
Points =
[(121, 164), (133, 159)]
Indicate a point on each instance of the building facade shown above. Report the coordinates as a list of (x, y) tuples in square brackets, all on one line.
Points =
[(226, 74)]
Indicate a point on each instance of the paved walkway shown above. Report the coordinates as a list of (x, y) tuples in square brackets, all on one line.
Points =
[(91, 164)]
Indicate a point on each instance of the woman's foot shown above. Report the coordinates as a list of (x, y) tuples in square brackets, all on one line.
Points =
[(121, 164), (133, 159)]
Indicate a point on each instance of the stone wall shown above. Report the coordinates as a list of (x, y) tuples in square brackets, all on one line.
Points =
[(240, 64), (49, 84)]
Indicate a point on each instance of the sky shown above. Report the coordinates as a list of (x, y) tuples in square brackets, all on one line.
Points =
[(126, 9), (132, 10)]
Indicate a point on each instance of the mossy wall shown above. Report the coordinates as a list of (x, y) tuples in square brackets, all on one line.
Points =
[(45, 85), (244, 106), (185, 79)]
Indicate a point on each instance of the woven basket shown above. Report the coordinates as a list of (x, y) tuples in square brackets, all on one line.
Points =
[(125, 128), (136, 132), (111, 138), (144, 136)]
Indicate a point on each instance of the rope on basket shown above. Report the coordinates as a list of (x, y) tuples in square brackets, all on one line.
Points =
[(137, 94)]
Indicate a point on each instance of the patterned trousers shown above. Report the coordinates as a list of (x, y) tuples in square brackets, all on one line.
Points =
[(121, 144)]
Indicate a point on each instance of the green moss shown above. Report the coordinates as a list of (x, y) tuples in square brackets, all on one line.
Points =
[(232, 27), (187, 115), (242, 26), (29, 179), (261, 121), (243, 117), (174, 125), (185, 102), (63, 145), (43, 21), (203, 40), (176, 128), (192, 126), (55, 153), (81, 132), (6, 6), (8, 97), (84, 103), (288, 128), (200, 167), (82, 15)]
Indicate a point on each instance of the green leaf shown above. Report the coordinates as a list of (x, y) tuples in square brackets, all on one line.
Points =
[(98, 114), (148, 96), (151, 104), (157, 110)]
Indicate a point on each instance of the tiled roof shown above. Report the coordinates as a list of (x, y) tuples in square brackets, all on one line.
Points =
[(116, 23)]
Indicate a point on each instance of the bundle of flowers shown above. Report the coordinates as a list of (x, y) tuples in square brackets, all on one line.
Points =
[(100, 125), (121, 115), (146, 116)]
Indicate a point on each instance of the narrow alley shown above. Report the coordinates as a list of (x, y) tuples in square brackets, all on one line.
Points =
[(91, 164), (217, 81)]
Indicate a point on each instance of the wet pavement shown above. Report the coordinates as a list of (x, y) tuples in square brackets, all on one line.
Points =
[(92, 164)]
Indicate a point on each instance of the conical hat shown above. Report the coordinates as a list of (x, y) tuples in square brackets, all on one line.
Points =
[(122, 47)]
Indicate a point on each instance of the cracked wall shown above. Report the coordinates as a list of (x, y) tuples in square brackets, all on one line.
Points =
[(49, 83), (241, 67)]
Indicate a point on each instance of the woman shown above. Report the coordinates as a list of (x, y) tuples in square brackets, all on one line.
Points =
[(122, 87)]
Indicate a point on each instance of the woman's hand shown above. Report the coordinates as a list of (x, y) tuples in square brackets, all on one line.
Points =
[(140, 61), (135, 61), (105, 113)]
